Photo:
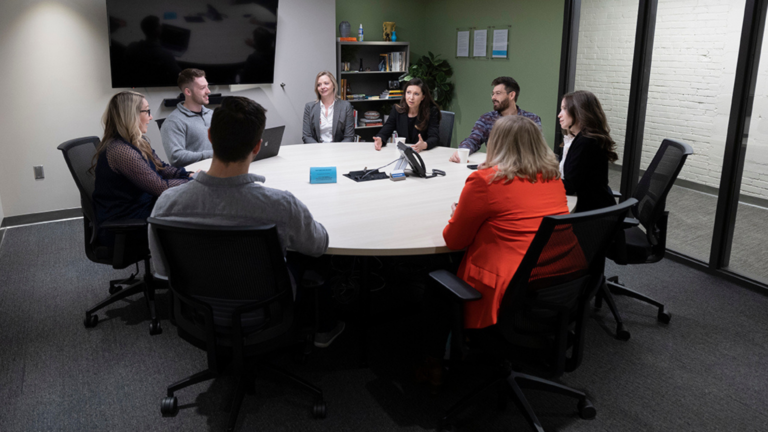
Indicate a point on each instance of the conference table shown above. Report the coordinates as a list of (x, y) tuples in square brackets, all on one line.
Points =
[(370, 218)]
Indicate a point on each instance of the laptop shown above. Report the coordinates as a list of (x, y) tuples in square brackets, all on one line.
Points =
[(270, 145)]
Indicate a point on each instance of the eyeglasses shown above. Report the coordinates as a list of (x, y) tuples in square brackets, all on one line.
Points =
[(149, 112)]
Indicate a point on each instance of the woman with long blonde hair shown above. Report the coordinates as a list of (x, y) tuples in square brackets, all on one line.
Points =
[(129, 174), (497, 216)]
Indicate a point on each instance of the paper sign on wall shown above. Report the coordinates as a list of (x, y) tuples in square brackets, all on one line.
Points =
[(500, 38)]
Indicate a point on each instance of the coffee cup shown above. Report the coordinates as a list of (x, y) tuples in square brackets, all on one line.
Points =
[(463, 155)]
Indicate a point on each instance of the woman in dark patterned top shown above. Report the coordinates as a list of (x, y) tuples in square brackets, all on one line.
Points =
[(129, 174), (585, 170)]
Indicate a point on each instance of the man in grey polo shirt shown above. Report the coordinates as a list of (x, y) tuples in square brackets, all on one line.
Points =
[(229, 195), (185, 131)]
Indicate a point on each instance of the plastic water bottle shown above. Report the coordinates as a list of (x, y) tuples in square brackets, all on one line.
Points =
[(360, 34)]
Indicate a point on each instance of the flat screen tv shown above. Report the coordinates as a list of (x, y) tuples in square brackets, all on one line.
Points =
[(151, 41)]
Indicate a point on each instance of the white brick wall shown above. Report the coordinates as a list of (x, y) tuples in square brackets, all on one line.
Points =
[(694, 63)]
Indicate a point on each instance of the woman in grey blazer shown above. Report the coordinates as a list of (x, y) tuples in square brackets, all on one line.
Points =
[(328, 119)]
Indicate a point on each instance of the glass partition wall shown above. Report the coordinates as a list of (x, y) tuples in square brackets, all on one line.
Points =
[(604, 63), (689, 99), (677, 67)]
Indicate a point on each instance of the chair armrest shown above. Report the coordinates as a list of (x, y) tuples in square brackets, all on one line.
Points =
[(455, 285), (124, 224)]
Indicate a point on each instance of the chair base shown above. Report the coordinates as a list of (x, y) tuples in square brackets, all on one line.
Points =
[(246, 383), (618, 288), (144, 285), (613, 286), (513, 382)]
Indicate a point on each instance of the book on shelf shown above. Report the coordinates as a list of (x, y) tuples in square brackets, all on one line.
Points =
[(379, 123), (347, 39), (343, 89)]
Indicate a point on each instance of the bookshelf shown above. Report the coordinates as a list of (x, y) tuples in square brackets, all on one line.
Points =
[(370, 83)]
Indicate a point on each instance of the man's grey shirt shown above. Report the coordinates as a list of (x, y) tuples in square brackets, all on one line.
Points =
[(185, 136), (240, 201)]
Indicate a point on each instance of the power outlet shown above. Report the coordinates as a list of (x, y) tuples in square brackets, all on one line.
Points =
[(39, 174)]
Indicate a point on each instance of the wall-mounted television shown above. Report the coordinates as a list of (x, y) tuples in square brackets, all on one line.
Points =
[(151, 41)]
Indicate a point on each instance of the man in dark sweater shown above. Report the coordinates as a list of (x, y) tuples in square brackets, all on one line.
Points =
[(185, 131)]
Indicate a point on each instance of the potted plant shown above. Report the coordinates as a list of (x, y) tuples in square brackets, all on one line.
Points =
[(435, 73)]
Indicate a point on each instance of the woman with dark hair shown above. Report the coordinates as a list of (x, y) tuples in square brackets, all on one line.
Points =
[(129, 174), (416, 118), (585, 170)]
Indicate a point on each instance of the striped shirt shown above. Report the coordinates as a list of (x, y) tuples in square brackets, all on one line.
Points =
[(482, 129)]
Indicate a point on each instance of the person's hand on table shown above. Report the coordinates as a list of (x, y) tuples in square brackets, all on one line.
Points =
[(193, 173), (453, 208), (419, 146), (455, 157), (377, 143)]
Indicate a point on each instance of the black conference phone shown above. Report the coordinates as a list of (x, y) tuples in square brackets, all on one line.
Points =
[(416, 162)]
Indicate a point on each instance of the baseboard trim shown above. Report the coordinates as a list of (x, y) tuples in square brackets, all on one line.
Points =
[(12, 221)]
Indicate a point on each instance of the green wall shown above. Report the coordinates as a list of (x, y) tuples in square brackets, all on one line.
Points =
[(430, 25), (408, 16)]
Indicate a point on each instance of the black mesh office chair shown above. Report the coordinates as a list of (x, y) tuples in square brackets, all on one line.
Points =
[(160, 123), (541, 317), (445, 131), (131, 246), (232, 298), (647, 245)]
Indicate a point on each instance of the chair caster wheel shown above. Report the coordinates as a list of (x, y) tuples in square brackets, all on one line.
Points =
[(621, 333), (91, 321), (663, 316), (114, 289), (586, 410), (154, 328), (169, 406), (319, 410)]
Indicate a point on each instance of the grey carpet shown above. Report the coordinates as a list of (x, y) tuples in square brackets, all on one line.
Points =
[(703, 372)]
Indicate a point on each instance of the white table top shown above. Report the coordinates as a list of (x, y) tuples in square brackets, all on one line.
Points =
[(378, 217)]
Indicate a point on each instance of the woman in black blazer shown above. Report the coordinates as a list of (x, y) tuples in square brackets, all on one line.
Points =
[(328, 119), (585, 171), (416, 118)]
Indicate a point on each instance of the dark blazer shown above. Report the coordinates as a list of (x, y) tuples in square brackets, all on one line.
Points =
[(399, 122), (585, 175), (343, 122)]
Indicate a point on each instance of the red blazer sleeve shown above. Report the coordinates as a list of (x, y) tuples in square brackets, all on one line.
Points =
[(472, 211)]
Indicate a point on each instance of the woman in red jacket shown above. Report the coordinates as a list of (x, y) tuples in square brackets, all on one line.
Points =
[(496, 218), (500, 210)]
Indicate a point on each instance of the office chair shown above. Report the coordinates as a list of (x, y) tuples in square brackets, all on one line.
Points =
[(647, 245), (160, 123), (542, 313), (445, 131), (232, 298), (131, 246)]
